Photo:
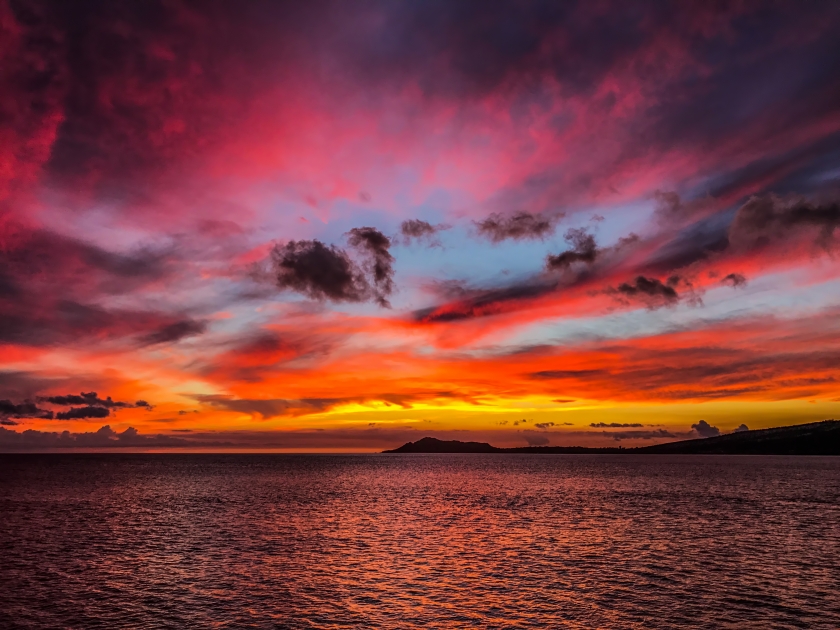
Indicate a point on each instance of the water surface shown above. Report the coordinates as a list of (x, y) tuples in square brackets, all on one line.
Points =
[(490, 541)]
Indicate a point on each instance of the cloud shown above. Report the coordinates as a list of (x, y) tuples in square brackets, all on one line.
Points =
[(544, 425), (583, 250), (175, 331), (485, 302), (26, 409), (52, 286), (40, 322), (319, 272), (380, 263), (323, 272), (639, 435), (734, 280), (693, 244), (519, 226), (270, 407), (417, 229), (705, 430), (49, 259), (741, 428), (84, 405), (87, 398), (535, 438), (764, 218), (671, 207), (24, 385), (766, 227), (651, 290), (351, 439), (615, 425), (105, 437), (78, 413)]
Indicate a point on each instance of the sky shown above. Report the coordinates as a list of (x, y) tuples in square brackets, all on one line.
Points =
[(335, 226)]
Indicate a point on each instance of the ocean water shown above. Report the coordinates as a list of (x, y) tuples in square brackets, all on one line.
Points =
[(419, 541)]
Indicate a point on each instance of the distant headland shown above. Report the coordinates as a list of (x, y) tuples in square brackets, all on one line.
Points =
[(815, 438)]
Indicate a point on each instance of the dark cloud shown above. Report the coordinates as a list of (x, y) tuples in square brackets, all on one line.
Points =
[(511, 43), (705, 430), (114, 73), (765, 223), (122, 68), (668, 203), (25, 385), (535, 438), (324, 272), (639, 435), (379, 262), (417, 229), (271, 407), (105, 437), (741, 428), (694, 243), (350, 439), (544, 425), (319, 272), (174, 332), (583, 250), (615, 425), (521, 46), (84, 405), (652, 290), (52, 260), (670, 207), (482, 303), (734, 280), (26, 409), (519, 226), (85, 398), (50, 286), (626, 241), (37, 320), (763, 219), (78, 413)]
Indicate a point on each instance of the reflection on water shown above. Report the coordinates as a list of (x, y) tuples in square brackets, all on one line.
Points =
[(507, 541)]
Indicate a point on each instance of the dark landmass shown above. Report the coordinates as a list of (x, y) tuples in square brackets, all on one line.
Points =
[(815, 438)]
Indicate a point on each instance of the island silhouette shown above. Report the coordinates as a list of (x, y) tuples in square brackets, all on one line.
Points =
[(815, 438)]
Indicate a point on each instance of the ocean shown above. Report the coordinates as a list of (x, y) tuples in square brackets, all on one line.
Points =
[(419, 541)]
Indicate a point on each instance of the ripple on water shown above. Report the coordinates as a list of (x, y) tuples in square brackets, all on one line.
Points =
[(506, 541)]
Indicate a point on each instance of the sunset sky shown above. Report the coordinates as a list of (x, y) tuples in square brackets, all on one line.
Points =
[(346, 225)]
